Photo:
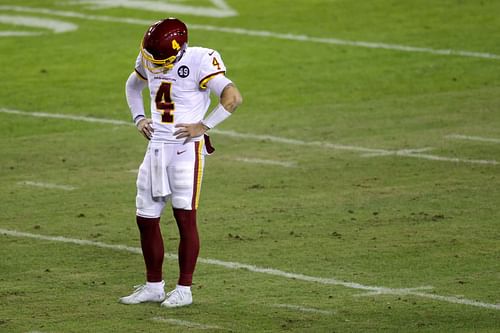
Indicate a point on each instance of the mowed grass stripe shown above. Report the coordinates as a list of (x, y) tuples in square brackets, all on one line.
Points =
[(265, 34), (376, 290)]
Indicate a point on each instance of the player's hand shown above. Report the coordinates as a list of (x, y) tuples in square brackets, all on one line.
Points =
[(144, 126), (189, 131)]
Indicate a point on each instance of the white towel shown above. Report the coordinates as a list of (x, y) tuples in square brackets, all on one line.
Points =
[(159, 179)]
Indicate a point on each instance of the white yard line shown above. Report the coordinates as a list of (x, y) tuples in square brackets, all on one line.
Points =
[(48, 185), (269, 271), (448, 159), (285, 164), (472, 138), (66, 117), (397, 152), (38, 22), (11, 33), (219, 8), (344, 42), (414, 153), (417, 153), (296, 142), (302, 309), (265, 34), (389, 292), (185, 323)]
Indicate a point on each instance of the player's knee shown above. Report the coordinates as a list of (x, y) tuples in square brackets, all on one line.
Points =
[(148, 206), (181, 202)]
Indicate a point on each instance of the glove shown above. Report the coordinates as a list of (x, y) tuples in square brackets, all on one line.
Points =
[(144, 126)]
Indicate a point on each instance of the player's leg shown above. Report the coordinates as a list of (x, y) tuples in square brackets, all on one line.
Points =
[(189, 244), (185, 175), (148, 222)]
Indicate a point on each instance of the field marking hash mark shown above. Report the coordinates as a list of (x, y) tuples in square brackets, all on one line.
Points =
[(302, 309), (285, 164), (472, 138), (270, 271), (265, 34), (188, 324), (48, 185), (414, 153)]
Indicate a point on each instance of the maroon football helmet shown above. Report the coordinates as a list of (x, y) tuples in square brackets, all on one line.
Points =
[(164, 42)]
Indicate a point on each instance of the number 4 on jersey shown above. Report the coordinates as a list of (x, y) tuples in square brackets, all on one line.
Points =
[(216, 63), (164, 103)]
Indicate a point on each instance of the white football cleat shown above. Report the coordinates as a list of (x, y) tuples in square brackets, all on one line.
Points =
[(144, 293), (178, 297)]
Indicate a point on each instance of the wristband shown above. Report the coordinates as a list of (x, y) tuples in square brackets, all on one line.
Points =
[(217, 116), (138, 119)]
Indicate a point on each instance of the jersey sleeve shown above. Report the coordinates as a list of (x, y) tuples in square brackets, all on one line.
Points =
[(211, 65), (139, 68)]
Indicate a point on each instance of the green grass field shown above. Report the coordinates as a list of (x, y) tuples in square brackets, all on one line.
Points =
[(355, 190)]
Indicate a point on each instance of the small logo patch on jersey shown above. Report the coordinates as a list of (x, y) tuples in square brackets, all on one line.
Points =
[(183, 71)]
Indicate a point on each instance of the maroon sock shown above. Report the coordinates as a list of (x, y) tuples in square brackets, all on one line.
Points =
[(152, 247), (189, 245)]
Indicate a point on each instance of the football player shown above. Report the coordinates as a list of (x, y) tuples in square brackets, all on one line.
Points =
[(180, 79)]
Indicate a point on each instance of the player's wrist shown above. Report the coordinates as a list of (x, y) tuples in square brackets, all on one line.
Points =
[(217, 116), (138, 119), (205, 127)]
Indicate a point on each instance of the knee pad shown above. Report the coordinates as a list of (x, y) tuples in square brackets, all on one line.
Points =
[(181, 202), (148, 206)]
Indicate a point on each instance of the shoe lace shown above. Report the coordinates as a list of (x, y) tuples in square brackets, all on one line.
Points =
[(138, 288), (175, 295)]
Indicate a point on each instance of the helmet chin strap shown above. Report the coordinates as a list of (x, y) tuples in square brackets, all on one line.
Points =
[(178, 57)]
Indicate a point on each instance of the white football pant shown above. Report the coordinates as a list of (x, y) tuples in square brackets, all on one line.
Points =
[(170, 171)]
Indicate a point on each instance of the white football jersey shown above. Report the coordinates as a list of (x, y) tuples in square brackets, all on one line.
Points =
[(181, 95)]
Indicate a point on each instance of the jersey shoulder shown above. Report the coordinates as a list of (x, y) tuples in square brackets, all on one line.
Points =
[(200, 55), (206, 62), (200, 51)]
